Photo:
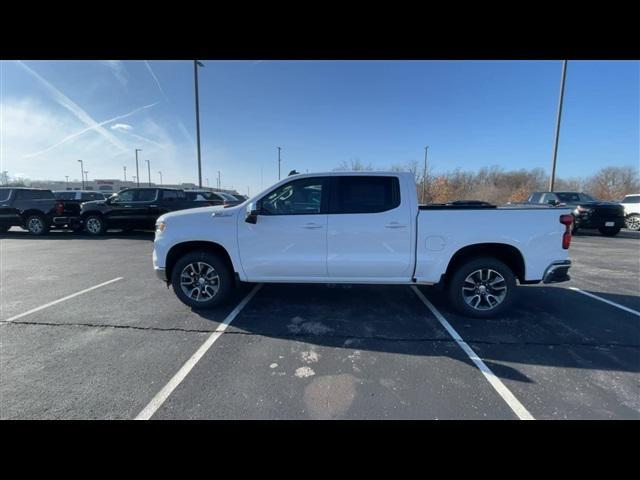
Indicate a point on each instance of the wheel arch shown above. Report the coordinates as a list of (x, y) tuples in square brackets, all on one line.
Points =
[(506, 253), (180, 249)]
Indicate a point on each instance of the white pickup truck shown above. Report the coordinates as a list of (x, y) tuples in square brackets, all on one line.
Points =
[(362, 228)]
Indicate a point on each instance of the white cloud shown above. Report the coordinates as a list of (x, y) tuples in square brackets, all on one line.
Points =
[(121, 126), (118, 69)]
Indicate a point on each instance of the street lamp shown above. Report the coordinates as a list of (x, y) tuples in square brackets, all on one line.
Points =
[(137, 172), (86, 174), (82, 173), (160, 176), (219, 182), (149, 170), (67, 181), (196, 64), (424, 175), (125, 173), (279, 162), (552, 180)]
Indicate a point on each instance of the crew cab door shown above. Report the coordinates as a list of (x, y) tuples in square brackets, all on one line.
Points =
[(146, 207), (369, 229), (289, 238)]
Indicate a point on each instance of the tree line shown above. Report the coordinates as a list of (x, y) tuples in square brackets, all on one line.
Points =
[(496, 185)]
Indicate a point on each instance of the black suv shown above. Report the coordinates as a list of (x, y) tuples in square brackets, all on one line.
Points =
[(607, 217), (134, 208), (34, 209)]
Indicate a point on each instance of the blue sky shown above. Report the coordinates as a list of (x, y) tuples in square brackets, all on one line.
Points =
[(470, 113)]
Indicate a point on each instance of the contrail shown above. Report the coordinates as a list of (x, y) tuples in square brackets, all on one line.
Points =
[(156, 79), (98, 125), (74, 108)]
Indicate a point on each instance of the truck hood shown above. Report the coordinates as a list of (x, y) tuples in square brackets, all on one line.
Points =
[(199, 212)]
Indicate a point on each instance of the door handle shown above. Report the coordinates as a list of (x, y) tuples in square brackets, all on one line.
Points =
[(312, 225), (394, 225), (153, 206), (127, 206)]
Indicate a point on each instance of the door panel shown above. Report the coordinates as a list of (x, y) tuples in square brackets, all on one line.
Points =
[(367, 242), (289, 238)]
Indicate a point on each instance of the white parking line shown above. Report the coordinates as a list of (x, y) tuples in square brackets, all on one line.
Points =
[(47, 305), (157, 401), (622, 307), (496, 383)]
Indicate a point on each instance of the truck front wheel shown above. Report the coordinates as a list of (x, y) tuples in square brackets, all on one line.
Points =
[(201, 280), (482, 288)]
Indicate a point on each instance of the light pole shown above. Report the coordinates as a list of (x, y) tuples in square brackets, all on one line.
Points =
[(160, 173), (196, 63), (552, 180), (207, 183), (424, 175), (149, 170), (67, 182), (125, 173), (219, 182), (82, 172), (86, 174), (279, 162), (137, 177)]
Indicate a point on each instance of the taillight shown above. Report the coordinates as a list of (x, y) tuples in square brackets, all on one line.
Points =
[(59, 208), (566, 220)]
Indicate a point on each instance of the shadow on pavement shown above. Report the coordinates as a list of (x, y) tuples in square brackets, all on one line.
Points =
[(71, 235), (549, 326)]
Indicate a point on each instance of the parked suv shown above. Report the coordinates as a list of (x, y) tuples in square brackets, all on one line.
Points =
[(631, 205), (33, 209), (607, 217), (133, 208)]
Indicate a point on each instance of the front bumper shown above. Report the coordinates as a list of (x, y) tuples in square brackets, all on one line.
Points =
[(161, 273), (557, 272), (597, 221)]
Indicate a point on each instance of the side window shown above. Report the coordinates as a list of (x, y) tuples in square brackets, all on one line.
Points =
[(24, 195), (299, 197), (631, 199), (125, 196), (549, 196), (359, 194), (535, 198), (169, 195), (4, 194), (146, 195)]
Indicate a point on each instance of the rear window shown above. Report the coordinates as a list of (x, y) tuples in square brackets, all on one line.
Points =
[(366, 194), (146, 195), (88, 197), (64, 195), (573, 197), (4, 194), (631, 199), (34, 195), (173, 195)]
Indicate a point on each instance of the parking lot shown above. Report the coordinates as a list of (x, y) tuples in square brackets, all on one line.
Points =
[(88, 332)]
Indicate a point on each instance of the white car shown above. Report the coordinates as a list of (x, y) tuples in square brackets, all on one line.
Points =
[(631, 204), (362, 228)]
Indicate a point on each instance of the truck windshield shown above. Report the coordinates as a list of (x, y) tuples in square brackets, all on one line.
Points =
[(573, 197)]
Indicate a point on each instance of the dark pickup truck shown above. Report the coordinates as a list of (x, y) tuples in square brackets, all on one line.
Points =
[(607, 217), (36, 210), (134, 208)]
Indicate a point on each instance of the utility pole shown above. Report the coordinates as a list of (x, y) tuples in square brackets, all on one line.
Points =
[(149, 171), (279, 162), (137, 177), (424, 175), (196, 63), (552, 180), (82, 173), (160, 176), (125, 173)]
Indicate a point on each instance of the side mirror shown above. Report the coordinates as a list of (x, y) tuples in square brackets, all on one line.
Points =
[(553, 202), (252, 213), (109, 200)]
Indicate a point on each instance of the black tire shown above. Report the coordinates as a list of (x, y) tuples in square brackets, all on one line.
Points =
[(4, 228), (95, 225), (609, 231), (483, 309), (224, 281), (36, 225), (632, 222)]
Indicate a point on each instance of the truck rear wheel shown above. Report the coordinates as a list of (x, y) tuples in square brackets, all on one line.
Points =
[(201, 280), (36, 225), (482, 288)]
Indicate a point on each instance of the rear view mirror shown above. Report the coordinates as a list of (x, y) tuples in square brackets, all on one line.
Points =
[(252, 213)]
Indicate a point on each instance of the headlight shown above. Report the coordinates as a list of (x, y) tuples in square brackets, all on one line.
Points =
[(584, 210), (160, 227)]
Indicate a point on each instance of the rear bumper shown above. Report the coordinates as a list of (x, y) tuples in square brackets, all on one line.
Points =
[(598, 222), (557, 272), (161, 273)]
